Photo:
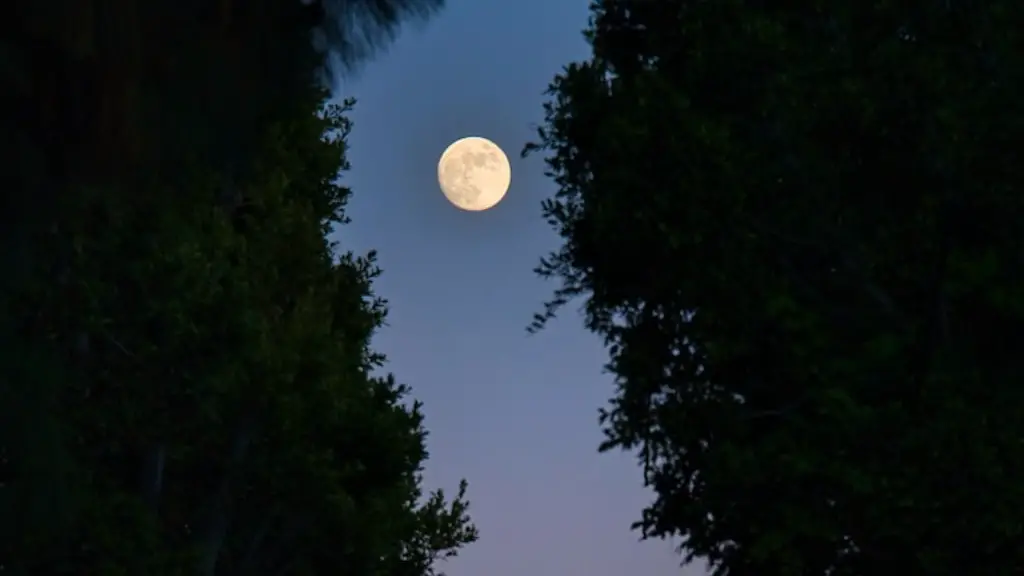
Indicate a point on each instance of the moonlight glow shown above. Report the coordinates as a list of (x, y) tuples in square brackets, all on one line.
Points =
[(474, 173)]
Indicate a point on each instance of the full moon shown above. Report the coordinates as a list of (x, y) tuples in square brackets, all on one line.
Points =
[(474, 173)]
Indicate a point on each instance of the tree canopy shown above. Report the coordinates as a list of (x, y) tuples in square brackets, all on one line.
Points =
[(188, 383), (797, 229)]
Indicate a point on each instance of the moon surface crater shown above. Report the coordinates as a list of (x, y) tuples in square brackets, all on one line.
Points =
[(474, 173)]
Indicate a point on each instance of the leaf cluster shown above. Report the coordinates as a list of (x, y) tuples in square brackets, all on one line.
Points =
[(795, 228), (188, 383)]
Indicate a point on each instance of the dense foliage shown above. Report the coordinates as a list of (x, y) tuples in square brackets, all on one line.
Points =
[(188, 386), (798, 228)]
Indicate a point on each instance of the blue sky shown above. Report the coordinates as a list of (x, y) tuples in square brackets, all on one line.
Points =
[(516, 415)]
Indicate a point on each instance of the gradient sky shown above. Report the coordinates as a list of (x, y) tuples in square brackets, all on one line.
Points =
[(515, 415)]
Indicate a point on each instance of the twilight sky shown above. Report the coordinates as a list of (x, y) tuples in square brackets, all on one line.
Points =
[(515, 415)]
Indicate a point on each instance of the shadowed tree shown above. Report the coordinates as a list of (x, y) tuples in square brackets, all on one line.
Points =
[(186, 363), (798, 230), (222, 417)]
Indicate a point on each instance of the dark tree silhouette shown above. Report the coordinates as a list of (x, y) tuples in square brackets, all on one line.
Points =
[(186, 371), (798, 229)]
